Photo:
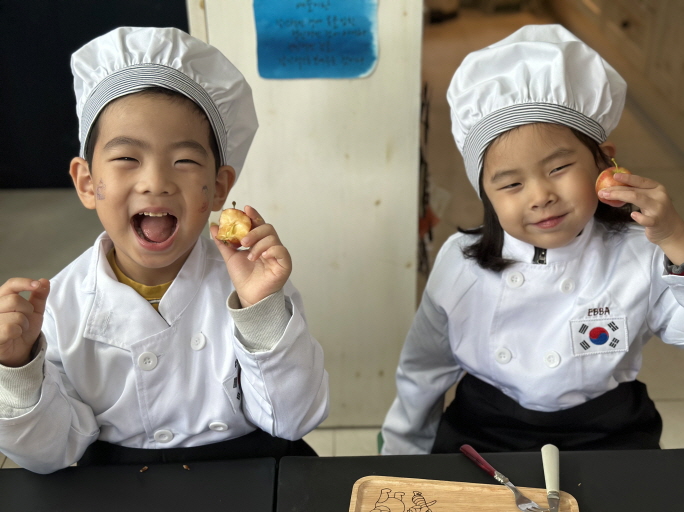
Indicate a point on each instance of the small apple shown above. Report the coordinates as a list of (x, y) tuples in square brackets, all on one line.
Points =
[(234, 224), (605, 179)]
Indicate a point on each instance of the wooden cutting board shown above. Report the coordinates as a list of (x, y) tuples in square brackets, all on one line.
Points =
[(394, 494)]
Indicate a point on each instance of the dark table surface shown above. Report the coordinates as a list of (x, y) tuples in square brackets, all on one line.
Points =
[(600, 481), (233, 485)]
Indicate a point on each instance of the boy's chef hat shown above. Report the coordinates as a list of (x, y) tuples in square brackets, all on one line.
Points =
[(539, 74), (130, 59)]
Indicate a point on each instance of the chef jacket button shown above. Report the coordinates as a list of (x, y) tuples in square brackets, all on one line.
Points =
[(567, 285), (503, 355), (552, 359), (163, 436), (515, 279), (218, 426), (147, 361), (198, 341)]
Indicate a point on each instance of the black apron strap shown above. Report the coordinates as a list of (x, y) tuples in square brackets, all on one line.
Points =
[(253, 445), (624, 418)]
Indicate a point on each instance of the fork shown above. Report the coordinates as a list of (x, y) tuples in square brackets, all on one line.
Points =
[(523, 502)]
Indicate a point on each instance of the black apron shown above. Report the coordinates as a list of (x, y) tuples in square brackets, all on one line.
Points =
[(624, 418), (253, 445)]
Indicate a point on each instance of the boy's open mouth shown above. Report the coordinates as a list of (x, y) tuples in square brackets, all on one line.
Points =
[(154, 227)]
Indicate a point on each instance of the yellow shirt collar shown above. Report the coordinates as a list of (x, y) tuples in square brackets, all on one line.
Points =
[(153, 294)]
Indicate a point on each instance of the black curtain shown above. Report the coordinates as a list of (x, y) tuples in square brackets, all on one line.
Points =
[(38, 124)]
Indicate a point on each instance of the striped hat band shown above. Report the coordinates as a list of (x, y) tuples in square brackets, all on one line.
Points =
[(143, 76), (504, 119)]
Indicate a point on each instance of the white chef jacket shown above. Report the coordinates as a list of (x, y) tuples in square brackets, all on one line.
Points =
[(118, 371), (551, 336)]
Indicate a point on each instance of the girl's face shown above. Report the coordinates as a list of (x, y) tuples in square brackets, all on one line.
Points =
[(540, 180)]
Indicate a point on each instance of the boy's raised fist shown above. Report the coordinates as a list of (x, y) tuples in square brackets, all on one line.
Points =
[(21, 319)]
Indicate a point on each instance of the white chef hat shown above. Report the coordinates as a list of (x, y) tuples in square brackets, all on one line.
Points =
[(539, 74), (130, 59)]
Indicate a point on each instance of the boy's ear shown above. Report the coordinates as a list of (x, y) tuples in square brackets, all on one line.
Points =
[(225, 179), (609, 149), (83, 181)]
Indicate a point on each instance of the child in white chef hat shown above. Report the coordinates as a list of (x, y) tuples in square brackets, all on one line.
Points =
[(158, 344), (542, 312)]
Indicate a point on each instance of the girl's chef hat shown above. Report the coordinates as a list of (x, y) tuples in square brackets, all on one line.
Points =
[(130, 59), (539, 74)]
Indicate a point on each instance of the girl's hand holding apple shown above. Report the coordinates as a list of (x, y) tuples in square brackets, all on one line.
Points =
[(664, 226), (607, 179)]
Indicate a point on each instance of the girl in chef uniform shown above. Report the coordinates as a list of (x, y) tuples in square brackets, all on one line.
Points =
[(542, 313), (158, 344)]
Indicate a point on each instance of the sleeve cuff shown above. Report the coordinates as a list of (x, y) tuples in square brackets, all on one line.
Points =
[(673, 269), (20, 387), (261, 325)]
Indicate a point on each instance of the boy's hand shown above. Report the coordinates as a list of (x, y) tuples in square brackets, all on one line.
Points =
[(664, 226), (21, 319), (264, 268)]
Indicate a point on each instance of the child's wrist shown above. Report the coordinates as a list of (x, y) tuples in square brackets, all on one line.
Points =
[(674, 253), (244, 303), (12, 363), (251, 301), (30, 356), (673, 246), (17, 362), (677, 270)]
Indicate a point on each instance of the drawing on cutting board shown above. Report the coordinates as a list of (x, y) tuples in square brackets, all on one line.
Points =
[(395, 503)]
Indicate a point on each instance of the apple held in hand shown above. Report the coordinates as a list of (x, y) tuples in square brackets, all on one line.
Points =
[(234, 224), (605, 180)]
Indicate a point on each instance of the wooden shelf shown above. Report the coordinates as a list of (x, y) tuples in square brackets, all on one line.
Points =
[(643, 40)]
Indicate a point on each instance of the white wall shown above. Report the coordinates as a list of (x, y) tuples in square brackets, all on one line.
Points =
[(334, 167)]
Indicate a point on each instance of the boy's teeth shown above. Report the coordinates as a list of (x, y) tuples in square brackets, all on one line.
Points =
[(151, 214)]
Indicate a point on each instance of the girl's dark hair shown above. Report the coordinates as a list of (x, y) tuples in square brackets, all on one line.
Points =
[(487, 251), (152, 91)]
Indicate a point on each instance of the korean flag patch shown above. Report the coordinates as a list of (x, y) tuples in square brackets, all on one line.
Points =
[(598, 336)]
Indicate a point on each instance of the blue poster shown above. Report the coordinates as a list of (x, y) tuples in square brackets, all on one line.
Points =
[(316, 38)]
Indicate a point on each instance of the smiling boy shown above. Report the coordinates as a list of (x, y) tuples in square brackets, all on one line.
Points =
[(153, 182), (158, 344)]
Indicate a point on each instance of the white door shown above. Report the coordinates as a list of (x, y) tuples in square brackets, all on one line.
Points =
[(334, 167)]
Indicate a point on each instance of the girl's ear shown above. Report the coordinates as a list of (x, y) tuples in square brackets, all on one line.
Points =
[(225, 179), (609, 149), (83, 182)]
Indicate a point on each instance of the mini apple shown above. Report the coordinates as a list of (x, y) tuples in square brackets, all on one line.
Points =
[(605, 179), (234, 224)]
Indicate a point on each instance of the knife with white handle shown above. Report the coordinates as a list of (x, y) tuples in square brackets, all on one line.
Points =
[(550, 460)]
